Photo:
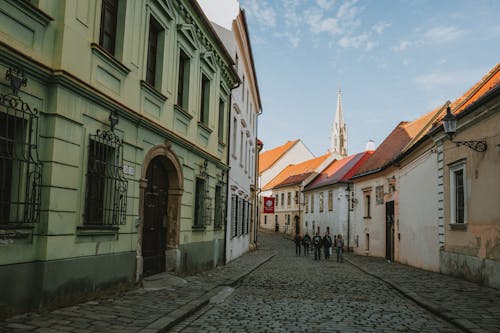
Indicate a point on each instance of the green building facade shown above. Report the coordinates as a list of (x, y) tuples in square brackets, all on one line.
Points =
[(113, 146)]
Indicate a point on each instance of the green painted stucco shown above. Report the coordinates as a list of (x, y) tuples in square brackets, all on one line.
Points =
[(75, 86)]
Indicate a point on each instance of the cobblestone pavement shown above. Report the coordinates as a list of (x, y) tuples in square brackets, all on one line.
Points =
[(272, 290), (298, 294)]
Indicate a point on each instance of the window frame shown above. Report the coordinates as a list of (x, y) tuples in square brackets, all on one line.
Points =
[(183, 78), (205, 99), (109, 25), (454, 168), (330, 200)]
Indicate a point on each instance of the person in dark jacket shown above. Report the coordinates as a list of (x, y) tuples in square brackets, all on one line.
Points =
[(306, 242), (327, 243), (340, 248), (298, 240), (317, 246)]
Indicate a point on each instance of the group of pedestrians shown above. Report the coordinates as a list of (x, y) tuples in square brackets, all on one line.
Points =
[(318, 243)]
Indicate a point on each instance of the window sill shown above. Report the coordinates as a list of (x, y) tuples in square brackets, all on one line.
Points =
[(458, 226), (183, 111), (35, 12), (221, 143), (109, 59), (96, 230), (153, 91), (15, 233), (367, 217), (198, 228), (204, 127)]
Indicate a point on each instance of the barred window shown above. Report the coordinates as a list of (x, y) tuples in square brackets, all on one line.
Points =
[(218, 207), (106, 192), (321, 205), (241, 211), (379, 195), (20, 169), (234, 213), (199, 206)]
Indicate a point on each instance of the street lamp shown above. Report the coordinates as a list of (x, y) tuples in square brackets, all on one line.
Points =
[(450, 128)]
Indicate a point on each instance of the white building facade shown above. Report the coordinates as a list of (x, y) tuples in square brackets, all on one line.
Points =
[(245, 109)]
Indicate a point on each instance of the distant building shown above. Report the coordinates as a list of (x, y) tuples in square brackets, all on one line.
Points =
[(286, 188), (327, 197), (338, 136)]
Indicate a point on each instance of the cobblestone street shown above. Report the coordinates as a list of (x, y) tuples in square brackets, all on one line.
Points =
[(272, 290), (298, 294)]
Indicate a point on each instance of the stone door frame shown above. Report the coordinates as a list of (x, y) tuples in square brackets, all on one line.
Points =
[(175, 190)]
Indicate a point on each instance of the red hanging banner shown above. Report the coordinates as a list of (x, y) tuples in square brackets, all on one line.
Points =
[(268, 205)]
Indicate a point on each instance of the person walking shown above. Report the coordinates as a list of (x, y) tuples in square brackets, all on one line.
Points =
[(306, 242), (317, 246), (298, 240), (340, 248), (327, 243)]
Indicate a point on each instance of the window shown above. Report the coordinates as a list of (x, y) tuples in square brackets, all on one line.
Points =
[(283, 199), (265, 219), (219, 217), (243, 89), (183, 81), (153, 71), (367, 202), (330, 200), (235, 130), (241, 149), (220, 125), (109, 18), (457, 193), (379, 195), (306, 203), (236, 62), (296, 197), (321, 201), (312, 203), (106, 191), (289, 199), (241, 212), (367, 242), (234, 214), (199, 204), (247, 219), (205, 99), (20, 170)]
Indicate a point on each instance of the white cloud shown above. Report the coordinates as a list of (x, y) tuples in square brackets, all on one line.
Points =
[(293, 39), (438, 80), (379, 27), (442, 34), (262, 12), (403, 45), (325, 4), (363, 40)]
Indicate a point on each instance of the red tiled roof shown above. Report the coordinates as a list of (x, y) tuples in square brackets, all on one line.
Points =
[(487, 82), (339, 171), (295, 173), (269, 157)]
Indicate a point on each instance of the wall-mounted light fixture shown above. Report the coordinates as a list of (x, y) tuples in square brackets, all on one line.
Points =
[(113, 119), (450, 128)]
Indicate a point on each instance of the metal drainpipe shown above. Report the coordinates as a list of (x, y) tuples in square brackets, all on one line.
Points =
[(348, 217)]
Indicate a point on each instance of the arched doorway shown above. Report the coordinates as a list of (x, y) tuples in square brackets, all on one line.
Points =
[(297, 225), (161, 188), (154, 232)]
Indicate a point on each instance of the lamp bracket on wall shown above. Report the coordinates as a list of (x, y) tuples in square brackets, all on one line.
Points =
[(477, 145)]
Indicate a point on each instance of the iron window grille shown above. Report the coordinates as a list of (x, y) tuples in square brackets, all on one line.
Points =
[(20, 168), (234, 214), (106, 192), (218, 207)]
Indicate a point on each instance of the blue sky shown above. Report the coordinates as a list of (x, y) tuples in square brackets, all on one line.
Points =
[(394, 61)]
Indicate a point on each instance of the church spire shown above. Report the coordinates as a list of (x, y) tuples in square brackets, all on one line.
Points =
[(338, 142)]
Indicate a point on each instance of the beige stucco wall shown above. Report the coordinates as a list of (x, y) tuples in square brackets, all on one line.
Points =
[(482, 236)]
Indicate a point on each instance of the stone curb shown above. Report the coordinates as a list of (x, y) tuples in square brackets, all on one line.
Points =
[(165, 323), (426, 304)]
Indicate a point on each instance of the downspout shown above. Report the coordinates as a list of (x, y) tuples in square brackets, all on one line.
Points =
[(257, 184), (348, 217), (228, 133)]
